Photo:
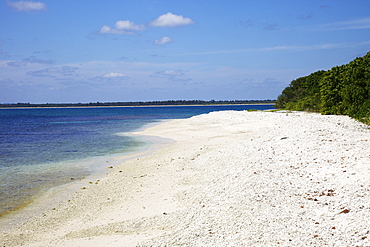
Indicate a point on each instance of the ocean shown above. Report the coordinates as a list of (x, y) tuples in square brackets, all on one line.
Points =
[(41, 148)]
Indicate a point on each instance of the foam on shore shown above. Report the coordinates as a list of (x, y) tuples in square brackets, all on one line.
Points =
[(230, 179)]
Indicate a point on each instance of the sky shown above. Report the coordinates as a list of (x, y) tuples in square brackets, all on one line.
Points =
[(70, 51)]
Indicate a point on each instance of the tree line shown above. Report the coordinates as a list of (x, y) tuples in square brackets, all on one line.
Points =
[(142, 103), (342, 90)]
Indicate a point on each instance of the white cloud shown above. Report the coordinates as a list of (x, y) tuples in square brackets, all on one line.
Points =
[(128, 25), (171, 20), (114, 75), (111, 78), (27, 5), (162, 41), (107, 30), (122, 27)]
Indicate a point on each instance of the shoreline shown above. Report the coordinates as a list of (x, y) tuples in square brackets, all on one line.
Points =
[(230, 178), (50, 198), (56, 107)]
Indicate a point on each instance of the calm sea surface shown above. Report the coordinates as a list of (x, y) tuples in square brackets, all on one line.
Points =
[(43, 148)]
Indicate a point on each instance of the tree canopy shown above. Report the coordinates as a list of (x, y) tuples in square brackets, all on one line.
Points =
[(342, 90)]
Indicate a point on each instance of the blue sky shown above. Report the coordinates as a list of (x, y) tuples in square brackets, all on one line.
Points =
[(144, 50)]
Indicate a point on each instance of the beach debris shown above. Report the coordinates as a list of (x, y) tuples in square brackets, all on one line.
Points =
[(141, 176), (283, 138), (345, 211), (110, 167)]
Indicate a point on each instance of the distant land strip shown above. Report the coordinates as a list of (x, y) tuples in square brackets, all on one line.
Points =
[(142, 103)]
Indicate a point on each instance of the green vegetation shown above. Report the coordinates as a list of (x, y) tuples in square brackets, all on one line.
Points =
[(342, 90), (140, 103)]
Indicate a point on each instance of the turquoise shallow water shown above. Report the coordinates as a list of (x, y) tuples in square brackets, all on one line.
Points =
[(46, 147)]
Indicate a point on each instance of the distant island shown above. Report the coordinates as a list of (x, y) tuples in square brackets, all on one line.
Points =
[(142, 103)]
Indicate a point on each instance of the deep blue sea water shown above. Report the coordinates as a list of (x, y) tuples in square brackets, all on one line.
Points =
[(45, 147)]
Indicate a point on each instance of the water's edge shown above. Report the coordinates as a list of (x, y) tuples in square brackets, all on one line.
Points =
[(51, 198)]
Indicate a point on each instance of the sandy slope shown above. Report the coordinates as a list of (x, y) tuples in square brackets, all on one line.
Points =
[(230, 179)]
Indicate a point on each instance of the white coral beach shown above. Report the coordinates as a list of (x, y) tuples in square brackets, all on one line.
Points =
[(229, 179)]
